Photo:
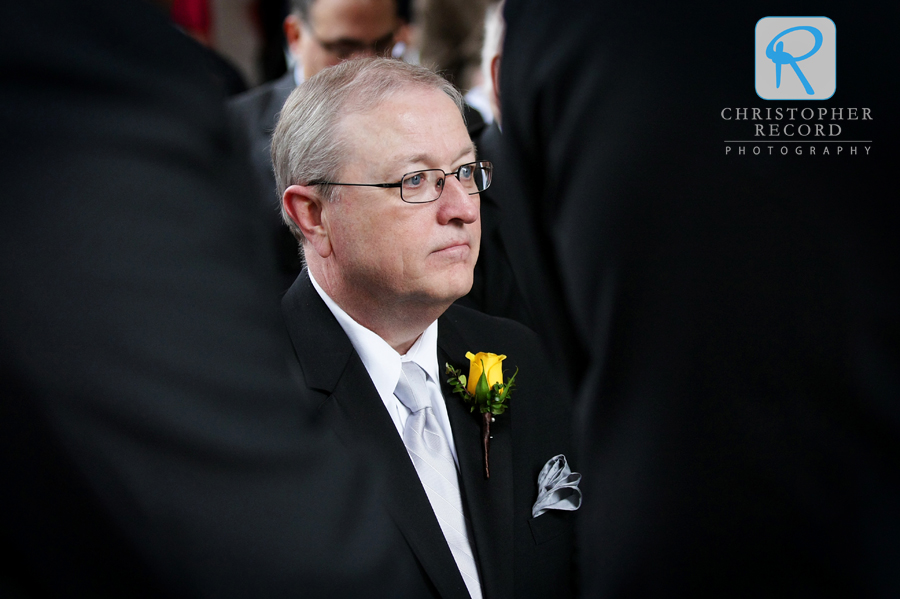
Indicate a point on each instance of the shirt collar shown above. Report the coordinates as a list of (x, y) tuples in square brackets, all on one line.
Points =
[(382, 361), (298, 73)]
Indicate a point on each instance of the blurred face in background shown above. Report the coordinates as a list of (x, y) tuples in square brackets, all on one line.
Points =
[(341, 29)]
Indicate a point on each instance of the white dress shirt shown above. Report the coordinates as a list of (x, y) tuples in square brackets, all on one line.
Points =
[(382, 362)]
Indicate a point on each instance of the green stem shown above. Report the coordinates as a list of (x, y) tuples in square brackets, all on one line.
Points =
[(486, 441)]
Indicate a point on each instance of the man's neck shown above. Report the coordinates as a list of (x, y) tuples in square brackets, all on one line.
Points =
[(399, 323)]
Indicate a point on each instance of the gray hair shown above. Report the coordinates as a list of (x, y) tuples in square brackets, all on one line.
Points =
[(307, 145)]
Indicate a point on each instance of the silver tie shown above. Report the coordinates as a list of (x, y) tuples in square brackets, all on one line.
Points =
[(434, 463)]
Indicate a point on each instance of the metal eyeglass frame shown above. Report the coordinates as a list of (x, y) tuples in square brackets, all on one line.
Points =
[(478, 164)]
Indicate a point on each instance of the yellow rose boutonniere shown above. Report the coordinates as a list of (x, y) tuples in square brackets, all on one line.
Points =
[(483, 389)]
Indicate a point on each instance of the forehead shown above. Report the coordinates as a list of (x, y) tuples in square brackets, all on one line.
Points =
[(414, 128), (353, 18)]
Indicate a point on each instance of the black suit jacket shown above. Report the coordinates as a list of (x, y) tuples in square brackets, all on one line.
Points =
[(737, 312), (495, 290), (253, 115), (518, 555)]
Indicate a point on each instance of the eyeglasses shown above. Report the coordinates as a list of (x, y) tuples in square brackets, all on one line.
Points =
[(422, 187), (345, 48)]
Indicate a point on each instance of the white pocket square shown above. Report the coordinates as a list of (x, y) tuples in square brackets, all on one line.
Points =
[(557, 487)]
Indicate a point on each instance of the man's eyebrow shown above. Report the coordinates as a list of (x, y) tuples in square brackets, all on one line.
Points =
[(413, 159), (468, 149), (352, 41)]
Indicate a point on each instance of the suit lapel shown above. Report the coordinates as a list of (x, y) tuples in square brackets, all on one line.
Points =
[(489, 501), (354, 409)]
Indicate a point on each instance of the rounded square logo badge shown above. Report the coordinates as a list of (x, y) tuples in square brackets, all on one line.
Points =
[(795, 58)]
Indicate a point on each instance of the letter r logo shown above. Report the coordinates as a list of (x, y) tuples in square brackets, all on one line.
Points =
[(795, 58)]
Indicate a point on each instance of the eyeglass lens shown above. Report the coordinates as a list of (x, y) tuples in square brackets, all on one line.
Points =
[(426, 186)]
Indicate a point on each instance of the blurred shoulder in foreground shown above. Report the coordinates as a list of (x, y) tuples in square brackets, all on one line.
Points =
[(152, 443)]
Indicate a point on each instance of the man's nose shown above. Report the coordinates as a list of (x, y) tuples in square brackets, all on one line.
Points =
[(455, 203)]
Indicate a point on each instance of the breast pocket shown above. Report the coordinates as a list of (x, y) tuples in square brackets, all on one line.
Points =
[(550, 525)]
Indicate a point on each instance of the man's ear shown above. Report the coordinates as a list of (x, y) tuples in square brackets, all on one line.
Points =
[(495, 88), (404, 33), (293, 30), (306, 209)]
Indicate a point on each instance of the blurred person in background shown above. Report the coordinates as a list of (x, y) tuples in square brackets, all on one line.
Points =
[(495, 289), (483, 92), (319, 33), (449, 38)]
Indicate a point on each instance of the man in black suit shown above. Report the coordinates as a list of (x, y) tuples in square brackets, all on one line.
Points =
[(379, 185), (736, 306), (319, 34), (151, 442)]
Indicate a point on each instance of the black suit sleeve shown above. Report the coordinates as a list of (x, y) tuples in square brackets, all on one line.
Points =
[(150, 436)]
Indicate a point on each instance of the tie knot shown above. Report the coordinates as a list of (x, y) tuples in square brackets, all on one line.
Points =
[(411, 390)]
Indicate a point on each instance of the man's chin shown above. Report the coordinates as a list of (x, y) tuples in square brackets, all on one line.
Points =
[(459, 292), (460, 280), (451, 289)]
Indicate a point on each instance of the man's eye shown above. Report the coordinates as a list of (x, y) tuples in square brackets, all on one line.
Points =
[(341, 50), (465, 172), (414, 180)]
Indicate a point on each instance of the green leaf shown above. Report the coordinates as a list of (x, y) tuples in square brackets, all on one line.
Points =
[(509, 386), (462, 380), (482, 390)]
